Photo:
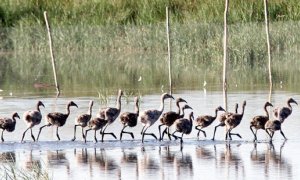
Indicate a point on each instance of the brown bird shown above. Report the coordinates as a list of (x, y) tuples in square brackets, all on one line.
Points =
[(271, 126), (110, 114), (283, 112), (183, 126), (149, 117), (222, 119), (204, 121), (32, 118), (258, 122), (95, 124), (82, 120), (169, 118), (130, 119), (57, 119), (233, 121), (8, 124)]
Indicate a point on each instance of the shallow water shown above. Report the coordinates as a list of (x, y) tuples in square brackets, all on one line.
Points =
[(164, 160)]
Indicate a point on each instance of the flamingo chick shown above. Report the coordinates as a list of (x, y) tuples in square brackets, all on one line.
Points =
[(110, 114), (233, 121), (183, 126), (222, 119), (169, 122), (82, 120), (204, 121), (283, 112), (271, 126), (95, 124), (258, 122), (32, 118), (149, 117), (130, 118), (8, 124), (57, 119)]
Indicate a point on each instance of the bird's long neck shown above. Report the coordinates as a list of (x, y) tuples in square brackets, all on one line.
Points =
[(161, 108), (267, 113), (182, 115), (216, 114), (191, 119), (178, 107), (137, 110), (119, 102), (243, 110), (289, 105), (68, 110), (90, 110), (38, 108), (14, 119)]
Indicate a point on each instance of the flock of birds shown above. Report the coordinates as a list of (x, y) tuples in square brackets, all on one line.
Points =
[(108, 115)]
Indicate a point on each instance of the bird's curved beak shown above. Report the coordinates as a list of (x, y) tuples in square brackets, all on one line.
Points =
[(188, 107), (170, 96)]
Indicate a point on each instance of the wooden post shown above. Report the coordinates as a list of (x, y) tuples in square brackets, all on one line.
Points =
[(269, 46), (169, 48), (51, 53), (225, 56)]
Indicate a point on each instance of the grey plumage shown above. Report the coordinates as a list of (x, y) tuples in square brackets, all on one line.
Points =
[(183, 126), (32, 118), (57, 119), (8, 124)]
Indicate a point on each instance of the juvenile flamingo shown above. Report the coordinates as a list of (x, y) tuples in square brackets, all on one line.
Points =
[(110, 114), (222, 119), (95, 124), (233, 121), (82, 120), (271, 126), (258, 122), (283, 112), (183, 126), (206, 120), (57, 119), (149, 117), (32, 118), (169, 118), (130, 119), (8, 124)]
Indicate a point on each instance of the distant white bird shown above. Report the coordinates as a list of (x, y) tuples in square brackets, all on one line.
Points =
[(140, 78), (204, 83), (1, 90)]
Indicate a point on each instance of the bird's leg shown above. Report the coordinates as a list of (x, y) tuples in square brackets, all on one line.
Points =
[(95, 137), (169, 134), (142, 129), (32, 136), (24, 134), (86, 134), (143, 133), (181, 141), (173, 134), (2, 136), (121, 133), (160, 135), (75, 126), (126, 133), (163, 133), (41, 130), (151, 134), (283, 134), (200, 130), (103, 133), (82, 132), (221, 124), (236, 134), (255, 138), (57, 133)]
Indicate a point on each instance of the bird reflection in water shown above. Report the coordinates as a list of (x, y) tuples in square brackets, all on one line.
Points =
[(270, 159), (129, 162), (232, 162), (57, 159), (107, 165), (148, 165), (202, 152), (81, 156), (183, 164)]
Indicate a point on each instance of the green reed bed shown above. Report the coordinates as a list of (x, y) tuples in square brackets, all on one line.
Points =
[(91, 58)]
